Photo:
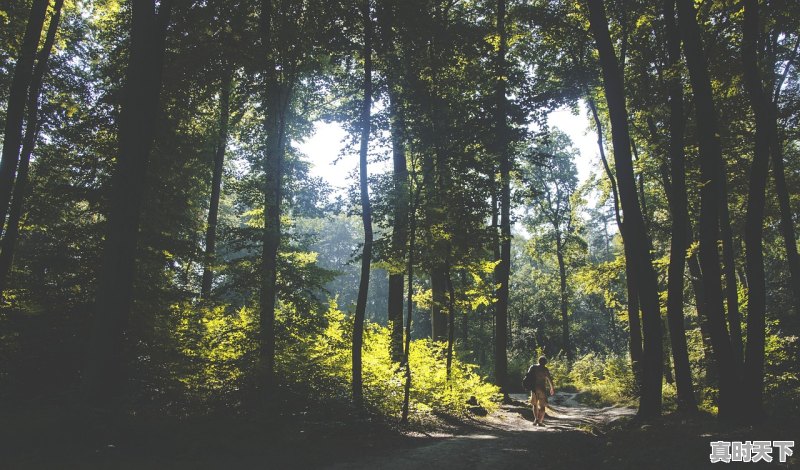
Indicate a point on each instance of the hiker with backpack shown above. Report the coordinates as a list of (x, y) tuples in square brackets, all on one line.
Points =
[(536, 380)]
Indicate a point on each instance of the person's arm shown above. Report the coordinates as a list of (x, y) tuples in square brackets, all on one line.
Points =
[(550, 379)]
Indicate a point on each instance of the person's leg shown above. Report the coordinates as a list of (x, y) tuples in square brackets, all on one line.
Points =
[(533, 404), (543, 406), (541, 403)]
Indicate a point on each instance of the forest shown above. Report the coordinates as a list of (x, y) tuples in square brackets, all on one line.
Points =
[(185, 282)]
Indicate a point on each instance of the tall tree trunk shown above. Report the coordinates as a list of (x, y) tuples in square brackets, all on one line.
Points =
[(753, 387), (11, 234), (635, 231), (386, 12), (787, 216), (634, 325), (504, 267), (564, 304), (696, 277), (439, 296), (451, 322), (711, 194), (277, 95), (366, 209), (412, 231), (104, 373), (15, 111), (399, 228), (216, 184), (679, 202), (781, 190)]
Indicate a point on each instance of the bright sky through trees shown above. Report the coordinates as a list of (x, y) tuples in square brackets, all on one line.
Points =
[(324, 148)]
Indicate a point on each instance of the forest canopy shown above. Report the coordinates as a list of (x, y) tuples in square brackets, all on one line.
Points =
[(165, 247)]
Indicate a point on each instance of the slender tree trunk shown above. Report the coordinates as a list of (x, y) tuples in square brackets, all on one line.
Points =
[(216, 184), (451, 325), (679, 202), (787, 219), (412, 231), (366, 209), (399, 229), (386, 12), (504, 268), (277, 95), (104, 373), (634, 325), (635, 231), (11, 234), (711, 194), (782, 193), (668, 376), (15, 111), (439, 296), (753, 387), (696, 277), (562, 276)]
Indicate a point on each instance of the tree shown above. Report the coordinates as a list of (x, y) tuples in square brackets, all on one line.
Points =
[(635, 232), (15, 110), (502, 149), (634, 323), (105, 364), (216, 182), (21, 186), (681, 230), (711, 199), (754, 226), (554, 182), (366, 209), (386, 12)]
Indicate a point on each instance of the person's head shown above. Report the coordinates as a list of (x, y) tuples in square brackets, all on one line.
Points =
[(542, 361)]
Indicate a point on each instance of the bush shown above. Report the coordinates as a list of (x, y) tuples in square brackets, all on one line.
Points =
[(603, 380), (322, 362)]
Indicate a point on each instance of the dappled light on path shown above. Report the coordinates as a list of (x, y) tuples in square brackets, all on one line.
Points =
[(506, 439)]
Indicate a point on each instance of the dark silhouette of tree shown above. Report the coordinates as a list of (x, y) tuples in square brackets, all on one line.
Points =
[(711, 200), (105, 370), (680, 230), (635, 231), (21, 185), (15, 110), (366, 208)]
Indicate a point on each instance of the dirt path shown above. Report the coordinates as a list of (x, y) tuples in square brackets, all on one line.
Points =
[(506, 439)]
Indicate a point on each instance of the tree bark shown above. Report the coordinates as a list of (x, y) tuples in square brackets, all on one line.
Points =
[(412, 231), (277, 95), (11, 234), (104, 372), (711, 194), (564, 304), (634, 325), (635, 231), (366, 209), (15, 111), (781, 190), (386, 12), (503, 269), (679, 203), (753, 387), (216, 184), (787, 217), (451, 322)]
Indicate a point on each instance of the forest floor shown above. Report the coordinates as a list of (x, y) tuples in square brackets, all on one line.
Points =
[(507, 439), (575, 436)]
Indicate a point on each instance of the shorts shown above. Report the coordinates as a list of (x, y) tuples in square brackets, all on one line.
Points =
[(539, 397)]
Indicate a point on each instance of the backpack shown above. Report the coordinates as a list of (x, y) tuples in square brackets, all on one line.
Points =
[(530, 379)]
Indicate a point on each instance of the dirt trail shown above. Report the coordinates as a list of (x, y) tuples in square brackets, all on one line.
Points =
[(506, 439)]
